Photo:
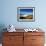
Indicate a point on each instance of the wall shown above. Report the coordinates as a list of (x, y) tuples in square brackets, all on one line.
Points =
[(9, 13)]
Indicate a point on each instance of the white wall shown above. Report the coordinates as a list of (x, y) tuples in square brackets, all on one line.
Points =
[(9, 13)]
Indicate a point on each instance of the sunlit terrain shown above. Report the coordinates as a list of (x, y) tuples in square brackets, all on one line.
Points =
[(26, 17)]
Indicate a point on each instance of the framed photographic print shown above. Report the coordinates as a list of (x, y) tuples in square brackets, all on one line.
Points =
[(26, 14)]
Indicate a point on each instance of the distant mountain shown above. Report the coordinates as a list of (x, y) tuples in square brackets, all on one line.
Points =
[(26, 17)]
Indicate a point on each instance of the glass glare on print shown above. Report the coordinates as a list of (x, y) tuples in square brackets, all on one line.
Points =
[(25, 14)]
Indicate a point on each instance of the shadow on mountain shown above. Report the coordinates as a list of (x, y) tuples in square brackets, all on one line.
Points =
[(27, 17)]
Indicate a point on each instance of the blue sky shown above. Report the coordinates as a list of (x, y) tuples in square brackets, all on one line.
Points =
[(26, 11)]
